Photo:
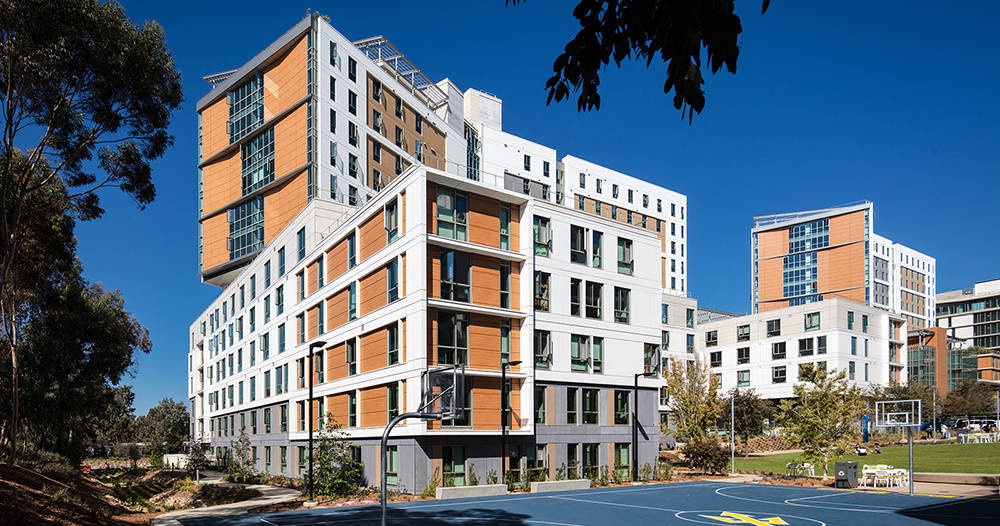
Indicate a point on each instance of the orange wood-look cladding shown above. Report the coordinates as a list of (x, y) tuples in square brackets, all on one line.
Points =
[(840, 268), (485, 279), (290, 141), (285, 80), (311, 281), (374, 406), (214, 127), (483, 219), (336, 408), (771, 243), (371, 236), (373, 351), (433, 139), (336, 309), (769, 279), (847, 228), (282, 204), (312, 322), (484, 341), (215, 248), (222, 181), (336, 260), (373, 291), (336, 365), (486, 404)]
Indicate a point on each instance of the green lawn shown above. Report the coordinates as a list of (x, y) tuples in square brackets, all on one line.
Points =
[(945, 458)]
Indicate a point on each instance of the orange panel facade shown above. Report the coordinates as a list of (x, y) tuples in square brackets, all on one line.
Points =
[(371, 235), (373, 291)]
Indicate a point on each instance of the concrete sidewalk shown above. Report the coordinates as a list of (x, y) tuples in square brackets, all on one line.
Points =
[(268, 495), (939, 489)]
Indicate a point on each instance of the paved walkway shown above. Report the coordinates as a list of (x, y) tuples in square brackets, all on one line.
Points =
[(938, 488), (268, 495)]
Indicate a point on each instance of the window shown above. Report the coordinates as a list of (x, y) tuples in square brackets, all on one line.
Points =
[(812, 321), (527, 162), (453, 338), (621, 305), (743, 355), (572, 411), (540, 404), (352, 251), (391, 215), (583, 180), (743, 378), (850, 321), (377, 90), (866, 348), (452, 210), (651, 358), (821, 345), (664, 340), (392, 280), (301, 239), (590, 410), (352, 102), (854, 345), (743, 333), (864, 323), (597, 356), (392, 395), (622, 460), (504, 340), (283, 419), (850, 370), (574, 296), (399, 107), (715, 358), (281, 338), (866, 372), (543, 349), (505, 226), (392, 344), (267, 419), (773, 328), (392, 465), (352, 301), (630, 195), (624, 256), (301, 319), (418, 123), (597, 238), (542, 235), (621, 407), (577, 244), (352, 409), (504, 284), (453, 472), (267, 274), (246, 108), (711, 338), (300, 279), (542, 290), (595, 291), (399, 136), (579, 353), (778, 351), (352, 195), (778, 374), (806, 347), (351, 356), (689, 318), (663, 313), (456, 270)]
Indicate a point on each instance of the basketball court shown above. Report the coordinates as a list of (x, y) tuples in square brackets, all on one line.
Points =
[(680, 503)]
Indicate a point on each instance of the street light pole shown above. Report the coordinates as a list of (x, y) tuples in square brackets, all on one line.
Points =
[(312, 347), (635, 422), (503, 417), (732, 431)]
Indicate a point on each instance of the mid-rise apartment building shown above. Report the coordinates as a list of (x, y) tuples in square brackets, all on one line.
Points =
[(767, 350), (802, 257), (938, 360), (395, 222), (973, 315)]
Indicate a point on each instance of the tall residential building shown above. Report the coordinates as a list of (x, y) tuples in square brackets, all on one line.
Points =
[(423, 235), (802, 257), (767, 350), (974, 315)]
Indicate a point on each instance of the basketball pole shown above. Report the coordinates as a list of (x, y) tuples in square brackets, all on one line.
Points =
[(909, 436)]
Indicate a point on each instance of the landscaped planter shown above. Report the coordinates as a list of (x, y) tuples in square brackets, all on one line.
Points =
[(560, 485), (459, 492)]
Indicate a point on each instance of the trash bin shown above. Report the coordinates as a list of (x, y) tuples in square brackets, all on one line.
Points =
[(846, 475)]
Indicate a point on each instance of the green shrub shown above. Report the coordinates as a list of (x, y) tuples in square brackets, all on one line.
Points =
[(561, 472), (664, 471), (706, 456), (473, 478), (430, 489), (646, 472), (491, 477)]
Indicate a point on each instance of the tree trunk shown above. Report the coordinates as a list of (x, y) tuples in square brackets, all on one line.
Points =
[(12, 457)]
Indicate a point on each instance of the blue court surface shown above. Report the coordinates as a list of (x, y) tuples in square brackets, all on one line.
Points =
[(680, 503)]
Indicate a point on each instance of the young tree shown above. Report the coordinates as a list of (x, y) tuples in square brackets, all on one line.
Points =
[(823, 416), (337, 474), (85, 91), (241, 469), (673, 31), (694, 400), (197, 461), (749, 411)]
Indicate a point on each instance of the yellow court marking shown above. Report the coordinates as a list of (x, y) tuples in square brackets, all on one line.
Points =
[(882, 492), (739, 518)]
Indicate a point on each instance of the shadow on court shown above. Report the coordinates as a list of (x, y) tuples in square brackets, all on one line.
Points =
[(965, 512), (368, 515)]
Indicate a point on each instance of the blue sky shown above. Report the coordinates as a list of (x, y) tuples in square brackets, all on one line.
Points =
[(832, 103)]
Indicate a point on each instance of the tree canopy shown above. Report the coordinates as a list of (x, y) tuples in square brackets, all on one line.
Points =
[(750, 412), (694, 401), (673, 31)]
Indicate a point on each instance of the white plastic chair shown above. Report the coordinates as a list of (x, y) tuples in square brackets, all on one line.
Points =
[(867, 475), (881, 475), (807, 468)]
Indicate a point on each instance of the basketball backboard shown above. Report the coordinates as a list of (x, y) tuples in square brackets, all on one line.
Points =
[(897, 413), (443, 392)]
